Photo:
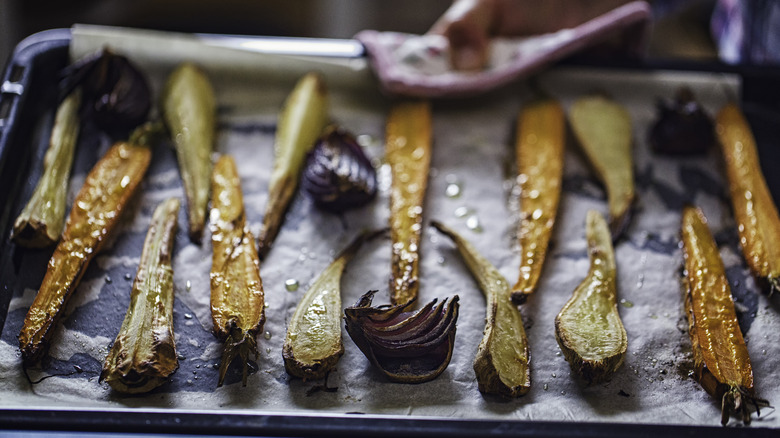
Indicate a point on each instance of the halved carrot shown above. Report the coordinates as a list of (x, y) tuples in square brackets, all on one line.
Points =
[(540, 144), (754, 210), (721, 361)]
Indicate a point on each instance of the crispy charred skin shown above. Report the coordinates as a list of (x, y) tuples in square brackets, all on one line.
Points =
[(313, 344), (237, 298), (409, 155), (95, 213), (144, 352), (301, 122), (540, 144), (721, 360), (754, 210), (501, 364), (588, 328), (189, 110), (603, 130), (40, 223)]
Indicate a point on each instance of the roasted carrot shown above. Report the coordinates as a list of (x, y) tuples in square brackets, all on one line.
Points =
[(237, 297), (41, 221), (502, 360), (189, 109), (408, 151), (301, 122), (603, 129), (588, 328), (758, 223), (313, 346), (721, 360), (94, 215), (144, 352), (541, 129)]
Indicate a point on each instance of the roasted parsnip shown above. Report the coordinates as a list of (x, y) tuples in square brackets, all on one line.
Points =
[(237, 297), (588, 328), (301, 122), (541, 137), (721, 360), (501, 364), (144, 352), (95, 213), (408, 151), (603, 130), (189, 109), (312, 346), (40, 222), (754, 210)]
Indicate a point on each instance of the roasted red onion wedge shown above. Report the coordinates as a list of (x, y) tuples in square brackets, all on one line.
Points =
[(338, 175), (683, 127), (408, 347)]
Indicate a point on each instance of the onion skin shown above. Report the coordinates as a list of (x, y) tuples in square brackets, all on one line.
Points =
[(683, 127), (338, 176), (407, 347), (117, 95)]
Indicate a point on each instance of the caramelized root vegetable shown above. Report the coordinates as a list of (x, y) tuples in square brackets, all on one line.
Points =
[(313, 345), (189, 110), (754, 210), (237, 297), (501, 364), (40, 223), (603, 130), (144, 352), (301, 122), (409, 155), (721, 361), (588, 328), (95, 213), (541, 129)]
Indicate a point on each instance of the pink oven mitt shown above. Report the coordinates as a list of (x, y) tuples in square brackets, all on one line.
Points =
[(419, 65)]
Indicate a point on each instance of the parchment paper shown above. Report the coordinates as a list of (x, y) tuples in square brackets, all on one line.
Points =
[(472, 152)]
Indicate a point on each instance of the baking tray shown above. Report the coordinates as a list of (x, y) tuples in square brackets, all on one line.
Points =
[(26, 107)]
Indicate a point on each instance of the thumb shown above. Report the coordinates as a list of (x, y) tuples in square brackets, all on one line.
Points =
[(468, 46)]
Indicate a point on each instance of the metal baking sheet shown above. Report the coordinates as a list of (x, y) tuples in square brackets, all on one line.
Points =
[(652, 392)]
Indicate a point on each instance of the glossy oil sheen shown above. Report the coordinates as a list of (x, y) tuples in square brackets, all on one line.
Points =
[(539, 149), (408, 152), (757, 219), (95, 212)]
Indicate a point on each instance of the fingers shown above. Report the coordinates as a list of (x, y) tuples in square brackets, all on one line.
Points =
[(467, 25)]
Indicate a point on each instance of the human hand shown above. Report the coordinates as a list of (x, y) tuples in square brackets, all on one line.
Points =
[(469, 25)]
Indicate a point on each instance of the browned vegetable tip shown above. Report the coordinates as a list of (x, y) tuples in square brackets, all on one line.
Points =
[(94, 215), (144, 352), (408, 152), (541, 133), (755, 212), (301, 122), (407, 347), (502, 361), (588, 328), (721, 361), (603, 129), (237, 297)]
